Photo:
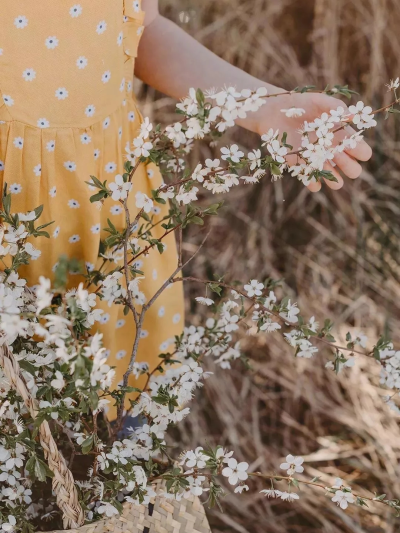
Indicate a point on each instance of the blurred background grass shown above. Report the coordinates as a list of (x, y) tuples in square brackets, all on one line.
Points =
[(338, 254)]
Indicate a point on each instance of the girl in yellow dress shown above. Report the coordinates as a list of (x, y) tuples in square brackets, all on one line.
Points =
[(67, 111)]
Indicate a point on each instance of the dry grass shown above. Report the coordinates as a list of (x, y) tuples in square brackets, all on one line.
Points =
[(338, 254)]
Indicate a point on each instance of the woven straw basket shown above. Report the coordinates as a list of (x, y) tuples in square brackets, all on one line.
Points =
[(160, 516)]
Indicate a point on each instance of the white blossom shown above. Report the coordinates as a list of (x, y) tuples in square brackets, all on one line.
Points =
[(235, 471), (293, 465)]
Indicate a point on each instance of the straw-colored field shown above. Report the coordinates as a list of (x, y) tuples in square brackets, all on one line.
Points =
[(337, 252)]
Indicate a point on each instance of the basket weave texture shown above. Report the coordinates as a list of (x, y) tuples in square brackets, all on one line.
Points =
[(160, 516)]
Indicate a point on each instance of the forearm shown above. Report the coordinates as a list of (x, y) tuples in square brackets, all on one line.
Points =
[(172, 61)]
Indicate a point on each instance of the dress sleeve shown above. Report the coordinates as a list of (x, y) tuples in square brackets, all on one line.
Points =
[(133, 29)]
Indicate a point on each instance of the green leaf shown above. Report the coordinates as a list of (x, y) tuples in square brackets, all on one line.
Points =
[(38, 468), (27, 366), (87, 445), (97, 197), (200, 97), (38, 211), (295, 483)]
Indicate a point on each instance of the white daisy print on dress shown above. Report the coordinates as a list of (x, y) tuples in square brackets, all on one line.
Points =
[(161, 311), (75, 10), (131, 116), (56, 232), (154, 275), (150, 173), (120, 354), (50, 146), (116, 209), (53, 192), (51, 42), (176, 318), (144, 334), (95, 228), (74, 238), (70, 165), (164, 346), (96, 153), (43, 123), (73, 204), (89, 111), (37, 170), (101, 27), (136, 6), (61, 93), (120, 323), (137, 265), (29, 74), (106, 123), (110, 167), (21, 22), (8, 100), (18, 142), (120, 38), (1, 166), (85, 138), (89, 266), (120, 132), (15, 188), (122, 85), (81, 62), (106, 76), (105, 318), (129, 87)]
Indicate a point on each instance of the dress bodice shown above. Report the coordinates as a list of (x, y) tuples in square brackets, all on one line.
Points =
[(66, 64)]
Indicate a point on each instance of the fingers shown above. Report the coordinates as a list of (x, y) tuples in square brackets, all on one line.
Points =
[(334, 185), (362, 151), (314, 187), (349, 166)]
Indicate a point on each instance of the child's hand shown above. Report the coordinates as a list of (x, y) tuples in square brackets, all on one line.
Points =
[(271, 116)]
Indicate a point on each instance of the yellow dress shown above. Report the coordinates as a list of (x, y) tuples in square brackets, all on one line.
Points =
[(67, 111)]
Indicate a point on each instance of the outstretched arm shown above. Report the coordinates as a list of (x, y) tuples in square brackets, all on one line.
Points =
[(172, 61)]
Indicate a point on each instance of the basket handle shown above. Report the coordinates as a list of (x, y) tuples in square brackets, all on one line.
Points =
[(63, 481)]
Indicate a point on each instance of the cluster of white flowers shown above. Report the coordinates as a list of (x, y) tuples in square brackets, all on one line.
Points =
[(342, 495), (390, 371), (13, 240), (112, 289), (314, 155), (141, 144), (12, 488), (228, 105), (283, 495)]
